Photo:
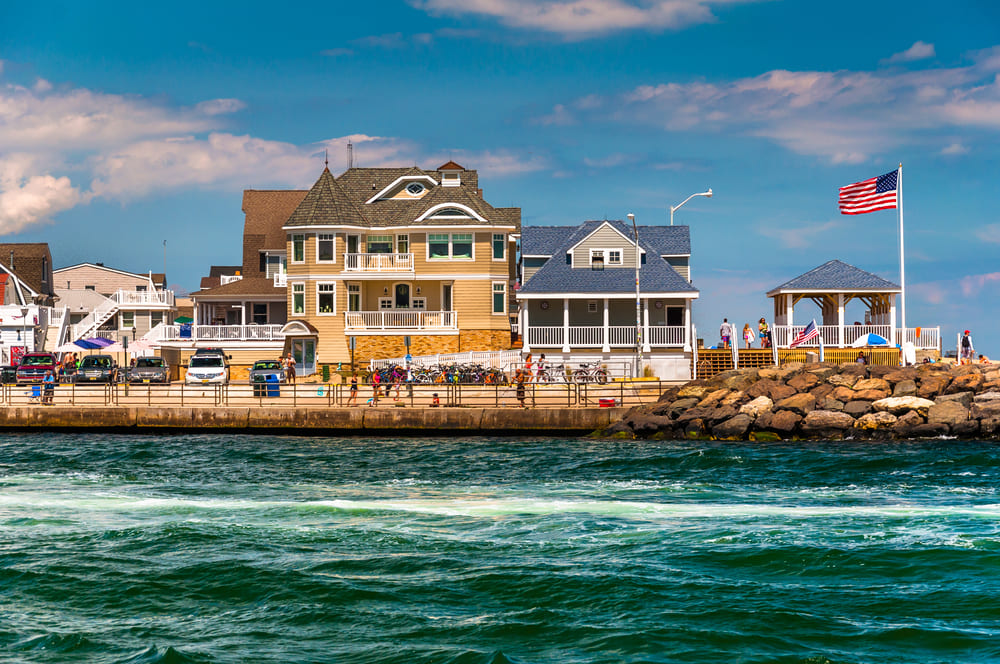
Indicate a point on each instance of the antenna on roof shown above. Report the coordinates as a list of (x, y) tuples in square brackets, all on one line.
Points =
[(326, 158), (350, 155)]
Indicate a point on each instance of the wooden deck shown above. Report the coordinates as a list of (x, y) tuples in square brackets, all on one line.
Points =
[(715, 361)]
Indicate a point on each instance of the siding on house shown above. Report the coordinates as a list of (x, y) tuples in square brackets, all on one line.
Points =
[(606, 238)]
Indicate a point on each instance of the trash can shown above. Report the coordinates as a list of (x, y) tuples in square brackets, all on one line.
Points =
[(326, 373), (273, 387), (259, 389)]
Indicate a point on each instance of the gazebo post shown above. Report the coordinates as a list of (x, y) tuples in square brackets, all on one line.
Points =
[(892, 319), (840, 321)]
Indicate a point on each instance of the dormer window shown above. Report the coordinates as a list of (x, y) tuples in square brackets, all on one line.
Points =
[(614, 257), (596, 259), (450, 179), (451, 213), (414, 189)]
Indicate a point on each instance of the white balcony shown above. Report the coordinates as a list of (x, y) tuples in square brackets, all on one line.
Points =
[(378, 262), (229, 278), (597, 336), (161, 298), (220, 333), (361, 321), (836, 337), (280, 279)]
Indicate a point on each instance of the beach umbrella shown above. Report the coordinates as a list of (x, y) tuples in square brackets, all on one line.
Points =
[(870, 340), (183, 319), (70, 347)]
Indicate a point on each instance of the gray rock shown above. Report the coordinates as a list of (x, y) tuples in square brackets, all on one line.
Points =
[(899, 405), (964, 398), (929, 430), (951, 413), (857, 408), (827, 423), (756, 407), (732, 429), (987, 396), (798, 403), (831, 404), (905, 388), (986, 410)]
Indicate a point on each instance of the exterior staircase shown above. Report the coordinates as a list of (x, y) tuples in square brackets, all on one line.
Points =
[(107, 309)]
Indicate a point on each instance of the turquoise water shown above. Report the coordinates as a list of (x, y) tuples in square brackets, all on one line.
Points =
[(283, 549)]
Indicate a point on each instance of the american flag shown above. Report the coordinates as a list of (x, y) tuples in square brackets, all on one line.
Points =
[(869, 195), (810, 332)]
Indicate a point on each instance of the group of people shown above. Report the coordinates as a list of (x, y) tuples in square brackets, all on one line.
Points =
[(728, 334)]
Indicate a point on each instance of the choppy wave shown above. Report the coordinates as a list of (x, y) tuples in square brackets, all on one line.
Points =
[(231, 549)]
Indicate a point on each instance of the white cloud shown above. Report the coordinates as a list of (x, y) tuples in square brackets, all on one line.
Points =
[(580, 19), (608, 161), (843, 116), (989, 233), (919, 51), (495, 163), (800, 236), (27, 199), (955, 149), (972, 284)]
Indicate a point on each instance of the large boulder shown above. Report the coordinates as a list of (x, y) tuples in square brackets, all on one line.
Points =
[(695, 429), (970, 382), (675, 409), (871, 395), (694, 414), (898, 375), (781, 391), (721, 414), (692, 390), (989, 427), (803, 382), (826, 423), (732, 429), (756, 407), (905, 424), (872, 384), (842, 393), (735, 398), (797, 403), (964, 398), (821, 391), (985, 409), (929, 430), (951, 413), (784, 422), (899, 405), (987, 396), (823, 372), (830, 404), (841, 379), (669, 395), (761, 388), (857, 408), (875, 421), (646, 425), (741, 381), (932, 385), (905, 388), (713, 398)]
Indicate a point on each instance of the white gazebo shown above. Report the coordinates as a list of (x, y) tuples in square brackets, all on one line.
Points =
[(831, 286)]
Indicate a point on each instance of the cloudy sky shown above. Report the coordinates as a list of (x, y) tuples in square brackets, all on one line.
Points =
[(123, 127)]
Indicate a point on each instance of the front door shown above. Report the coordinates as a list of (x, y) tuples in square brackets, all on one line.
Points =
[(446, 297), (402, 300), (352, 244), (304, 352)]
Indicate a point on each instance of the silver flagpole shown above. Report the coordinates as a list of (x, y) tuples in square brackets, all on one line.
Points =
[(902, 267)]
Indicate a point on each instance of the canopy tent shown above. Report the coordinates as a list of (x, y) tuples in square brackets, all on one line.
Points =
[(93, 343), (870, 340), (140, 345), (180, 320)]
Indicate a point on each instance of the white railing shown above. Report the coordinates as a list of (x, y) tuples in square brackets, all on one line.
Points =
[(280, 279), (491, 359), (536, 335), (95, 318), (395, 319), (164, 297), (929, 337), (592, 336), (621, 336), (229, 278), (222, 333), (586, 335), (378, 262), (666, 335)]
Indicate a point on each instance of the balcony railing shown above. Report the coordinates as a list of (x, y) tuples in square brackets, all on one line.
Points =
[(280, 279), (229, 278), (378, 262), (929, 337), (400, 320), (592, 336), (160, 297), (220, 333)]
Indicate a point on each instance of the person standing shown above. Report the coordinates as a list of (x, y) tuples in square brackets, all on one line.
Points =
[(376, 385), (353, 401), (290, 369), (49, 385), (967, 349), (519, 380), (726, 332), (747, 335), (764, 334)]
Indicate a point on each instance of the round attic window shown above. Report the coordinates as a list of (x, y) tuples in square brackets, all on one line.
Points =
[(415, 188)]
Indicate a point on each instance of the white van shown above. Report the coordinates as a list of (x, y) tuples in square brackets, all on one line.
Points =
[(207, 367)]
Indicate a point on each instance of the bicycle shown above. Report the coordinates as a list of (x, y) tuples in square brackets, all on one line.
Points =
[(590, 373)]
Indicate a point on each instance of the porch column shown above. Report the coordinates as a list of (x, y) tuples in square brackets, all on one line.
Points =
[(687, 326), (243, 313), (789, 309), (607, 331), (645, 325), (565, 347), (842, 342), (892, 320), (525, 347)]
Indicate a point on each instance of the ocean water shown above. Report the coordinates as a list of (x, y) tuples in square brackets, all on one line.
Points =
[(211, 548)]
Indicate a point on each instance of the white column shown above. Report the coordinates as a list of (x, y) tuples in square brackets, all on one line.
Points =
[(840, 320), (687, 326), (243, 313), (607, 331), (525, 347), (892, 320), (645, 325), (565, 347)]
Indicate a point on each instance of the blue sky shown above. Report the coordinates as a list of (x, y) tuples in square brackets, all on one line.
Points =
[(124, 126)]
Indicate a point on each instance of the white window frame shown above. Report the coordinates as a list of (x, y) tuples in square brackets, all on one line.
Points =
[(406, 238), (607, 257), (503, 246), (299, 286), (385, 303), (451, 247), (151, 314), (333, 311), (381, 237), (352, 289), (302, 239), (428, 243), (326, 237), (124, 325), (493, 294), (602, 253), (419, 303)]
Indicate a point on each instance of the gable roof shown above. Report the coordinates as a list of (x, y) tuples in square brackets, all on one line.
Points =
[(247, 286), (661, 240), (266, 212), (556, 276), (29, 260), (835, 275)]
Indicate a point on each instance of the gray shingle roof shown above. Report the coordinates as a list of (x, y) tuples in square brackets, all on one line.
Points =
[(837, 276), (656, 276)]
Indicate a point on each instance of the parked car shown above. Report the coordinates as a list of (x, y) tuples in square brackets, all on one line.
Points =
[(33, 367), (97, 369), (263, 369), (149, 370), (208, 366)]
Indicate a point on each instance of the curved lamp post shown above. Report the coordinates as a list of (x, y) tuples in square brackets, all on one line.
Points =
[(674, 208), (638, 305)]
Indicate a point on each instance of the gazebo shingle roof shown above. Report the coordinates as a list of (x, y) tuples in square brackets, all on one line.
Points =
[(836, 276)]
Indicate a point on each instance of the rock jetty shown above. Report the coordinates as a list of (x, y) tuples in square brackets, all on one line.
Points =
[(826, 401)]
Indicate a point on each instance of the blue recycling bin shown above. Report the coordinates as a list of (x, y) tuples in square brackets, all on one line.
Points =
[(273, 386), (185, 330)]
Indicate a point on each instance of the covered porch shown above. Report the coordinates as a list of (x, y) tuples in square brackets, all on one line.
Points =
[(400, 305), (604, 323), (249, 309)]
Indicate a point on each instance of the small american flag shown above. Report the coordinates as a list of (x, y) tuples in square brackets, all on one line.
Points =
[(810, 332), (869, 195)]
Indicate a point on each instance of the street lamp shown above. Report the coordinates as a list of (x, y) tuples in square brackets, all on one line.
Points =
[(674, 208), (638, 301), (24, 326)]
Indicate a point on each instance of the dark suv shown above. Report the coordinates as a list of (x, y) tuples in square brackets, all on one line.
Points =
[(97, 369), (34, 366)]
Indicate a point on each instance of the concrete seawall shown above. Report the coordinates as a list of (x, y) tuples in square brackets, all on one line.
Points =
[(312, 421)]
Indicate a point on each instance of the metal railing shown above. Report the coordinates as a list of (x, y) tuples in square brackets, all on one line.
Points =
[(400, 319), (220, 333), (929, 337), (314, 395), (378, 262)]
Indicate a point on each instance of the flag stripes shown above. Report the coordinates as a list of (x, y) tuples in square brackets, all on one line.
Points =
[(878, 193)]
